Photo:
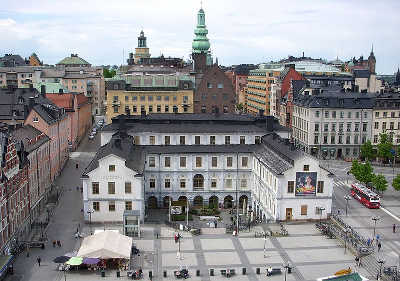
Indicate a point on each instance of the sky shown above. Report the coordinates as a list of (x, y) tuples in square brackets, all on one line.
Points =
[(104, 32)]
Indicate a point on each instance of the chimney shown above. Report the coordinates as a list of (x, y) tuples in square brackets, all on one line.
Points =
[(43, 90), (60, 91)]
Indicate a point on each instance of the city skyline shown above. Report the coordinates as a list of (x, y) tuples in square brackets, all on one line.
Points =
[(103, 33)]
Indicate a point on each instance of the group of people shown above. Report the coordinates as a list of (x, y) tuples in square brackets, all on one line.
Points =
[(57, 242)]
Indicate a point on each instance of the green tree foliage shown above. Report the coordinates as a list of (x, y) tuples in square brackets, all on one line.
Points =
[(362, 172), (367, 151), (396, 183), (240, 107), (109, 73), (380, 183), (384, 147), (355, 168)]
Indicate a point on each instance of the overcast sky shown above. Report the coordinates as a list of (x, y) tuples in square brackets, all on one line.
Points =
[(100, 31)]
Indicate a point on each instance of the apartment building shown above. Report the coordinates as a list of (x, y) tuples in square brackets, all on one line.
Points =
[(386, 117)]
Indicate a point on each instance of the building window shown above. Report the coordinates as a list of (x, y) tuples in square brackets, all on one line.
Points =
[(116, 109), (340, 140), (376, 125), (182, 140), (364, 126), (316, 140), (212, 139), (333, 139), (167, 140), (356, 139), (182, 183), (213, 183), (198, 162), (257, 139), (383, 126), (325, 139), (96, 206), (228, 183), (111, 187), (341, 114), (245, 161), (198, 181), (128, 205), (320, 187), (209, 85), (306, 168), (111, 168), (391, 126), (152, 140), (326, 114), (203, 108), (347, 139), (303, 211), (134, 108), (128, 187), (227, 140), (150, 108), (152, 183), (167, 162), (35, 119), (142, 98), (167, 183), (316, 127), (152, 161), (242, 140), (290, 186), (166, 108), (220, 86), (334, 114), (214, 162), (197, 140), (243, 183), (95, 188), (326, 127), (375, 138), (158, 108), (317, 114), (111, 206), (182, 162), (142, 109), (229, 161), (134, 98)]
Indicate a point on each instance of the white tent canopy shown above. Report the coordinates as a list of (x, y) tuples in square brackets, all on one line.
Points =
[(106, 245)]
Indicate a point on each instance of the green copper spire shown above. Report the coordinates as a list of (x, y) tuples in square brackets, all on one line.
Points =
[(200, 42)]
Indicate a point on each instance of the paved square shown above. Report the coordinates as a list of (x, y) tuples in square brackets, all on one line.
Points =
[(222, 258), (318, 255), (144, 245), (307, 241), (316, 271), (217, 244), (271, 257), (170, 245), (170, 259), (255, 243)]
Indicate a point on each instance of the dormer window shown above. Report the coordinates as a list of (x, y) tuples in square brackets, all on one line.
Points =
[(35, 119)]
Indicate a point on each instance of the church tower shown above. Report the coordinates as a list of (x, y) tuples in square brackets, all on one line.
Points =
[(201, 46), (372, 61), (141, 51)]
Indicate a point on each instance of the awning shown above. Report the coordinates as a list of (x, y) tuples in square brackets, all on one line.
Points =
[(5, 262), (332, 149), (324, 149)]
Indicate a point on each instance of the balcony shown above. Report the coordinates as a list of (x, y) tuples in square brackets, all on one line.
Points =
[(116, 103)]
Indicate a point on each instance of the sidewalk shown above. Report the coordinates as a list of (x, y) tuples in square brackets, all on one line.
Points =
[(62, 226)]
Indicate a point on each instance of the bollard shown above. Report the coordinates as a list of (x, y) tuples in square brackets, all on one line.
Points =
[(211, 272), (244, 271), (165, 273), (118, 274), (258, 270), (103, 273), (198, 272)]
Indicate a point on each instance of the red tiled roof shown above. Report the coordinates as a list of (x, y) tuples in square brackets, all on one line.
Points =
[(82, 99), (63, 100)]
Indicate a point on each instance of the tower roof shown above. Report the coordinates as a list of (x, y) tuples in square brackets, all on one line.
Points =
[(201, 43)]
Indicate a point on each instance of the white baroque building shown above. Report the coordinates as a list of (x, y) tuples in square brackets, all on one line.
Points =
[(207, 159)]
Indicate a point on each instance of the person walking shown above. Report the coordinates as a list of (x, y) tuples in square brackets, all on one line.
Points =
[(38, 260), (379, 246), (357, 259), (394, 228), (59, 243), (54, 243)]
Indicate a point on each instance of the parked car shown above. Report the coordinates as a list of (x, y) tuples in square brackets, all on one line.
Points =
[(273, 271)]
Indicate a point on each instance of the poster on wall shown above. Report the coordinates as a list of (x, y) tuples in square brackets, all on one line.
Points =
[(306, 183), (176, 210)]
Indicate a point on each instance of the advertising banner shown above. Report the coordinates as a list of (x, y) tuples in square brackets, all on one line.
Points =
[(306, 183)]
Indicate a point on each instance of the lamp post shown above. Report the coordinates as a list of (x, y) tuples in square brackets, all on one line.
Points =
[(346, 231), (321, 209), (375, 219), (90, 212), (379, 274), (287, 268), (347, 198)]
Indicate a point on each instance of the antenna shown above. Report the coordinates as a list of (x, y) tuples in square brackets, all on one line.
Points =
[(201, 4), (123, 56)]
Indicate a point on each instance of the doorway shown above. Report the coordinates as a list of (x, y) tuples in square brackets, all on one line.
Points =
[(339, 153), (288, 214)]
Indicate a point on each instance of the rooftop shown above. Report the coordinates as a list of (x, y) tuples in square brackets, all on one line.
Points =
[(73, 60), (31, 137)]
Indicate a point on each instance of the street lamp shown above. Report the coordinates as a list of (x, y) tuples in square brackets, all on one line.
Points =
[(347, 198), (346, 231), (90, 212), (288, 268), (321, 209), (379, 274), (375, 219)]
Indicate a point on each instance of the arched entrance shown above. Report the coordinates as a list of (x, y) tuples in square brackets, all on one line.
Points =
[(198, 201), (213, 202), (242, 199), (228, 202), (152, 202), (198, 181), (166, 201), (182, 199)]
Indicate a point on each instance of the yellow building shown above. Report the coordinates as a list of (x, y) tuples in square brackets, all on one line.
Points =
[(259, 84), (123, 98)]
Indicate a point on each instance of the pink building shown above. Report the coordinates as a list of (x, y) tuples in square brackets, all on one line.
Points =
[(53, 122), (79, 110)]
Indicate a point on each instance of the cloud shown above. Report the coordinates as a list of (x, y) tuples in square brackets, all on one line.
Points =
[(101, 31)]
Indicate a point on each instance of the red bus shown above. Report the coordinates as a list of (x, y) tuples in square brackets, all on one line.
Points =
[(367, 197)]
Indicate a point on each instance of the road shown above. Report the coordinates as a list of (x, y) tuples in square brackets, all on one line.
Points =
[(360, 217)]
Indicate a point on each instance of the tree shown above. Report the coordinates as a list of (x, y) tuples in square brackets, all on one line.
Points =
[(367, 151), (109, 73), (355, 168), (366, 173), (396, 183), (240, 107), (380, 183), (384, 147)]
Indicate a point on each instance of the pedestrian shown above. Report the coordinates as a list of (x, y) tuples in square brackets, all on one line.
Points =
[(394, 228), (369, 242), (338, 212), (58, 243), (54, 243), (38, 260), (357, 259), (77, 188), (379, 246), (76, 165)]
